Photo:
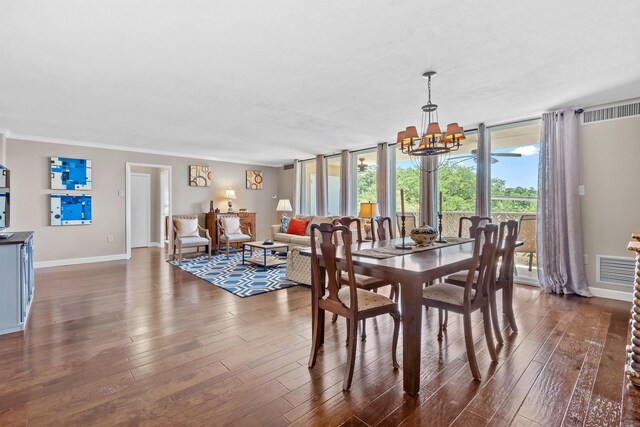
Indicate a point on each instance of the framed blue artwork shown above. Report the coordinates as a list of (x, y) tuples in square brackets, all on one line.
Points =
[(4, 209), (70, 209), (70, 174)]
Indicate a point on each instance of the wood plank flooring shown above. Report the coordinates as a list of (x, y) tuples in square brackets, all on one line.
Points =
[(142, 343)]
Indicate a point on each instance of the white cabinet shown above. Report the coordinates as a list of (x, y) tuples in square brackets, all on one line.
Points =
[(16, 281)]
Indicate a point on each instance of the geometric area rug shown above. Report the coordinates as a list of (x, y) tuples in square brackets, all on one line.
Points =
[(229, 274)]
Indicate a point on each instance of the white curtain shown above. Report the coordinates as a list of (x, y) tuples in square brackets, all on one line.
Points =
[(345, 182), (559, 224), (382, 180), (321, 186), (297, 183)]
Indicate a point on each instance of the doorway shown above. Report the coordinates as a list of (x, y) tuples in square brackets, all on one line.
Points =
[(148, 206), (140, 210)]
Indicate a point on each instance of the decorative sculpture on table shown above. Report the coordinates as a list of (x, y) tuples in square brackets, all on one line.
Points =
[(423, 235), (70, 174)]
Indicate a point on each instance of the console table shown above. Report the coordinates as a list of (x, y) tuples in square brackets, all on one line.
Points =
[(17, 281), (247, 219)]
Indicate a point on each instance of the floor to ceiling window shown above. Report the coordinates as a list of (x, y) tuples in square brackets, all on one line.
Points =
[(514, 187), (365, 172), (308, 187), (333, 185), (407, 178), (457, 182)]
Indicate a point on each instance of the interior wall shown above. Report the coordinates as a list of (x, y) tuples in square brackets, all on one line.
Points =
[(609, 153), (155, 209), (286, 184), (30, 190)]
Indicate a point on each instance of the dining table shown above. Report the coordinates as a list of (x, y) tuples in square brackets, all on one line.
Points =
[(412, 270)]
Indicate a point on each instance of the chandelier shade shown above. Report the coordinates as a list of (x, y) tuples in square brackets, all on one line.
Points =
[(433, 142)]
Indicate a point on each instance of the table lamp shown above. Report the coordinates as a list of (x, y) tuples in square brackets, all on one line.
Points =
[(230, 195), (284, 206)]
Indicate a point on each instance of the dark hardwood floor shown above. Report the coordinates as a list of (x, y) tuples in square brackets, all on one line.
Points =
[(144, 343)]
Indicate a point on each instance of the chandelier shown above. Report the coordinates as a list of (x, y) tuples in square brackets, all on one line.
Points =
[(431, 141)]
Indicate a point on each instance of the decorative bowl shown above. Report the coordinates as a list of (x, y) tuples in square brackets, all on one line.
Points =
[(423, 235)]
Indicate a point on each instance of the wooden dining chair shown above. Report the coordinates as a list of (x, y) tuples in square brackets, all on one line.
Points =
[(505, 259), (380, 229), (465, 300), (363, 282), (475, 222), (350, 302)]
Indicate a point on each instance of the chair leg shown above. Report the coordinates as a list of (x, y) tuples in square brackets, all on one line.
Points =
[(180, 253), (530, 261), (439, 324), (468, 340), (316, 340), (486, 320), (396, 332), (351, 354), (227, 249), (363, 335), (334, 318), (446, 320), (507, 306), (209, 250), (494, 315), (348, 331)]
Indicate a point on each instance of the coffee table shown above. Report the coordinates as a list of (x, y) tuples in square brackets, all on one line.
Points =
[(264, 260)]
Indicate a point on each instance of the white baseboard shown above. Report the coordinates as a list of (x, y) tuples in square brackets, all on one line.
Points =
[(610, 294), (74, 261), (155, 245)]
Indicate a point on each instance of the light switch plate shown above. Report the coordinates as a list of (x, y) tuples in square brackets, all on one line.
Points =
[(581, 190)]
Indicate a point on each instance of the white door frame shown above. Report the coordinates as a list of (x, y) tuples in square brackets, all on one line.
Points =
[(164, 238), (128, 201), (148, 176)]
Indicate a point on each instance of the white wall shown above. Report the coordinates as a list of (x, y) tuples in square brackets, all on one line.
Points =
[(609, 154), (30, 207)]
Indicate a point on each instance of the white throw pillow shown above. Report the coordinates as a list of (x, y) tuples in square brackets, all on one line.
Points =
[(187, 227), (231, 225)]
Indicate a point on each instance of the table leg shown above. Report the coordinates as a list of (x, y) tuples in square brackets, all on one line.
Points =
[(264, 254), (411, 305), (243, 254)]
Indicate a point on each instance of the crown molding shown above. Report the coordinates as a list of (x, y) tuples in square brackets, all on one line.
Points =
[(62, 141)]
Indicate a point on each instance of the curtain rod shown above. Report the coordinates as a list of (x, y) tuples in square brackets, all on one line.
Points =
[(391, 144)]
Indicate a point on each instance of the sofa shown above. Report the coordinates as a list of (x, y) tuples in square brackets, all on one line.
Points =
[(301, 241)]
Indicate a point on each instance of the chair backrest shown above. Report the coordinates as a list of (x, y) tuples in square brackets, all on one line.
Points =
[(410, 222), (327, 247), (475, 222), (484, 256), (383, 232), (176, 217), (220, 218), (527, 233), (508, 237), (347, 221)]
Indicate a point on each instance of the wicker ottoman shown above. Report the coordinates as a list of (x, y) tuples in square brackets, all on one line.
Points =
[(298, 267)]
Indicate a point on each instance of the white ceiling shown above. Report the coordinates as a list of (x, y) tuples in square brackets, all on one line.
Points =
[(270, 81)]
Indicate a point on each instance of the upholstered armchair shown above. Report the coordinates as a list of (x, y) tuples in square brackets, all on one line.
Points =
[(188, 234), (230, 231)]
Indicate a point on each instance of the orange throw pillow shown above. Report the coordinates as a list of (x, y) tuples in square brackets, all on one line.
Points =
[(297, 227)]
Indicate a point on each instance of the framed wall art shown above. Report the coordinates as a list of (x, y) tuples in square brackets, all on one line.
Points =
[(254, 180), (199, 176), (70, 209), (70, 174)]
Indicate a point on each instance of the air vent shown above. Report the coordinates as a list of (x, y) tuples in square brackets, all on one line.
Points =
[(287, 167), (610, 113), (615, 270)]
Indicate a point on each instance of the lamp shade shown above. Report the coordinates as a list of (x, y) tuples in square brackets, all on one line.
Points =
[(230, 194), (454, 131), (433, 130), (410, 135), (368, 210), (284, 205)]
